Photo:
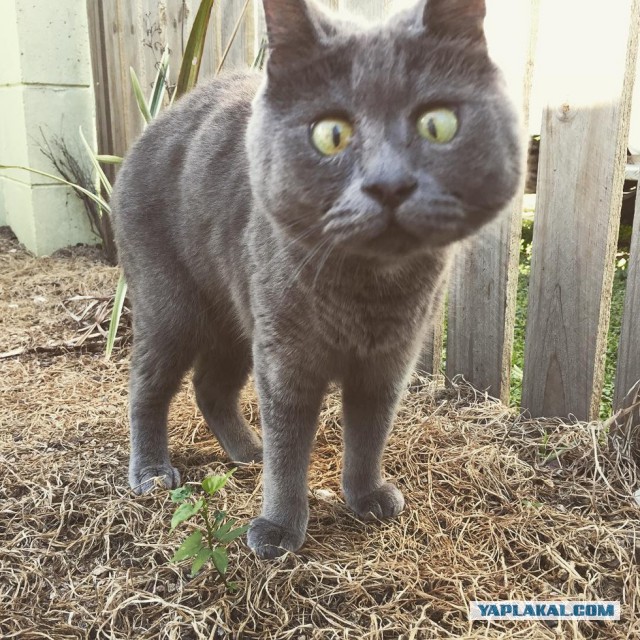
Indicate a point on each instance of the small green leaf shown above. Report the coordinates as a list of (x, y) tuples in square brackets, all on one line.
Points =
[(140, 99), (211, 484), (198, 505), (232, 586), (220, 559), (226, 527), (182, 513), (232, 535), (185, 511), (203, 555), (181, 493), (189, 548)]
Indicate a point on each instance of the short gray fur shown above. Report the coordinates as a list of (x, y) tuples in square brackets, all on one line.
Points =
[(244, 247)]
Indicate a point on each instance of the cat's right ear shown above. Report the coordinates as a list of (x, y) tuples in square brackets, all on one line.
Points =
[(291, 31)]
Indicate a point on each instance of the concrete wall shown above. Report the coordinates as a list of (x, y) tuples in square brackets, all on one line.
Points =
[(45, 88)]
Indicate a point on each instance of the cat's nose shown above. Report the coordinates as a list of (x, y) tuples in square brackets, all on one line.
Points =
[(391, 192)]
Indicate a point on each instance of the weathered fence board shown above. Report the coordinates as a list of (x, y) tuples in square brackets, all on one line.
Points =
[(628, 370), (235, 18), (481, 307), (580, 177), (482, 295), (152, 36), (99, 67), (123, 50)]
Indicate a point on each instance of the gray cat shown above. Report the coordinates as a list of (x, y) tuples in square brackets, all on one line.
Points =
[(302, 221)]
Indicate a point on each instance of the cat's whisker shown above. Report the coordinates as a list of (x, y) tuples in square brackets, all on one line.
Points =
[(306, 260), (304, 218), (338, 269), (332, 214), (352, 223), (346, 232), (323, 263), (292, 241)]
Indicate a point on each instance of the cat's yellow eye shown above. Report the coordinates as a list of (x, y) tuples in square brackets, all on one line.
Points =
[(331, 136), (438, 125)]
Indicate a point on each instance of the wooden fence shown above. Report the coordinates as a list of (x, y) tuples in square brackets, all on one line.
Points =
[(589, 50)]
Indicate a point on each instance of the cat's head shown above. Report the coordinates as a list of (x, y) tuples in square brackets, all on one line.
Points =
[(384, 140)]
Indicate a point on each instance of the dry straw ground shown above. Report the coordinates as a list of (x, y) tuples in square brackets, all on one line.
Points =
[(497, 506)]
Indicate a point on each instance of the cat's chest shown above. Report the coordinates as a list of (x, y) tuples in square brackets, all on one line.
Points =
[(342, 308), (367, 320)]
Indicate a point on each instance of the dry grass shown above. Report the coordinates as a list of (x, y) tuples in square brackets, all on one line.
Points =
[(498, 507)]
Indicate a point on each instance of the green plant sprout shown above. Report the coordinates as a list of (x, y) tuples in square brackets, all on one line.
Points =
[(208, 542)]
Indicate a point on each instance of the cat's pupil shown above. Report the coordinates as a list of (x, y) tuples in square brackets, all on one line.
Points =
[(335, 134), (433, 130)]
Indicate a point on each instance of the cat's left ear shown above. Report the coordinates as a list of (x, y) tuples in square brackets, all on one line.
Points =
[(291, 31), (455, 18)]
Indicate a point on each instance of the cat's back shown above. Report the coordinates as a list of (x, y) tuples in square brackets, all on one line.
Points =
[(168, 162)]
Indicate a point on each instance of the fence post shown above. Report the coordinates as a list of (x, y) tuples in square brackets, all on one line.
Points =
[(482, 294), (590, 49)]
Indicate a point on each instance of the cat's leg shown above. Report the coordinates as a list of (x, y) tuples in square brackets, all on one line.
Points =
[(290, 395), (220, 374), (158, 363), (370, 399)]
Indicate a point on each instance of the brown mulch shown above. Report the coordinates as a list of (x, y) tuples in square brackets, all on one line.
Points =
[(498, 506)]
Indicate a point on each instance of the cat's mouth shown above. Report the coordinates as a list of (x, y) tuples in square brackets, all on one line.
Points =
[(400, 236), (398, 232), (394, 238), (416, 225), (430, 230)]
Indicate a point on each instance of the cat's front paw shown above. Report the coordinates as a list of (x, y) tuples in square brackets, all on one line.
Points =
[(269, 540), (143, 479), (385, 502)]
